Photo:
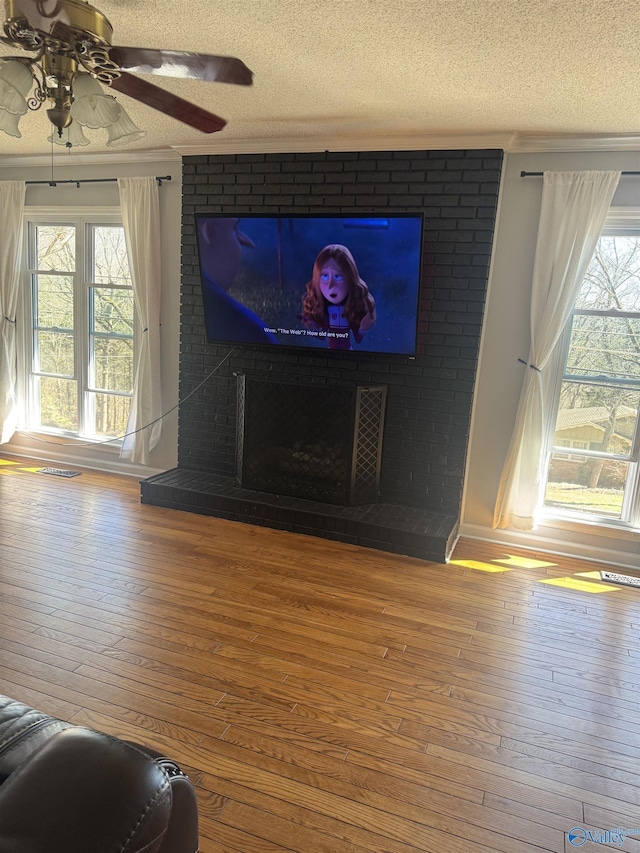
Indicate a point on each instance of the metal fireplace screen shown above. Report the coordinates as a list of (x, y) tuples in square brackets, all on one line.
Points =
[(318, 442)]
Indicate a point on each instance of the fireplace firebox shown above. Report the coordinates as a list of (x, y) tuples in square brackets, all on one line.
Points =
[(321, 442)]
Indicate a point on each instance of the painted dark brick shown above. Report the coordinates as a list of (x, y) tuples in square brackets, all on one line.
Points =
[(429, 398)]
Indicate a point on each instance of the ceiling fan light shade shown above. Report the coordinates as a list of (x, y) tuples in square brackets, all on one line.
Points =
[(9, 123), (15, 83), (123, 131), (91, 107), (72, 137)]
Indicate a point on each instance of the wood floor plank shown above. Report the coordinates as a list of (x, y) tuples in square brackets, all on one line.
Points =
[(537, 775), (284, 831), (298, 815), (556, 705), (326, 698), (429, 831), (435, 773), (378, 782), (593, 778)]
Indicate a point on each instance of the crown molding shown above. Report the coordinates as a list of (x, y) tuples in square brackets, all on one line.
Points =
[(371, 142), (103, 158), (524, 143), (510, 142)]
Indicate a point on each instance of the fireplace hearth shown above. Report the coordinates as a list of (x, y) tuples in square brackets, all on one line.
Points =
[(308, 461), (423, 533), (320, 442)]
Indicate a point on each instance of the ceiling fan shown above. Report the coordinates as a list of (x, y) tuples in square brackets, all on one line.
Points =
[(72, 40)]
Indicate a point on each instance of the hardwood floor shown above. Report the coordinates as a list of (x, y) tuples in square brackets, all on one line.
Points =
[(326, 698)]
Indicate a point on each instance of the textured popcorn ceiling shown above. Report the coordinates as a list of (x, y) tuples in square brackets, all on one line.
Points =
[(340, 69)]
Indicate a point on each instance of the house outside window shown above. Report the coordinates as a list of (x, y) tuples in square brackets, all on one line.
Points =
[(597, 394), (78, 325)]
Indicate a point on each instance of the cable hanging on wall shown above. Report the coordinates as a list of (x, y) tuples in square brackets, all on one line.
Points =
[(146, 426)]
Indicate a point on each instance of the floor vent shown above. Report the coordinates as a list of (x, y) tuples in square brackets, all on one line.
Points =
[(613, 577), (59, 472)]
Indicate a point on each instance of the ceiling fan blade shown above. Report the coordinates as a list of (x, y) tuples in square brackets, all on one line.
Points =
[(178, 63), (166, 102)]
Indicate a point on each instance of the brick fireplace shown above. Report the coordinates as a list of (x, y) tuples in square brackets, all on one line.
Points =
[(428, 399)]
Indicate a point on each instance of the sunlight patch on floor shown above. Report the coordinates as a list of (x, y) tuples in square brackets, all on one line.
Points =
[(574, 582), (22, 469), (580, 581), (478, 566), (523, 562)]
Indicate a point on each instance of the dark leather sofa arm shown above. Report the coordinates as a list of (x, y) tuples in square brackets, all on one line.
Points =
[(70, 789)]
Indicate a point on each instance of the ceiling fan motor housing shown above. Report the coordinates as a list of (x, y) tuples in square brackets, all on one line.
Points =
[(59, 71), (75, 16)]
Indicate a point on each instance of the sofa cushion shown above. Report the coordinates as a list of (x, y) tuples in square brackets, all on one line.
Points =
[(22, 731), (84, 790)]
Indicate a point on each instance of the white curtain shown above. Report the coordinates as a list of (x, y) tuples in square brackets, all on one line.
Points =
[(12, 194), (141, 218), (573, 210)]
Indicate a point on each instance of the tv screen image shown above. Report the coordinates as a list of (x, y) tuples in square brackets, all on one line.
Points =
[(347, 283)]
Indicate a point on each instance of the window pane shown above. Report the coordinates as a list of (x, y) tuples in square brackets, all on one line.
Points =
[(53, 301), (605, 346), (56, 247), (110, 264), (82, 342), (54, 353), (58, 403), (587, 485), (600, 417), (112, 310), (113, 364), (111, 415), (613, 277), (596, 418)]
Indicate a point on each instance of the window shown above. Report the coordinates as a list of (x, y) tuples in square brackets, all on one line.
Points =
[(79, 331), (598, 389)]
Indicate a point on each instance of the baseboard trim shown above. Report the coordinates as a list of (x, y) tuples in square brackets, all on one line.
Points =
[(74, 460), (542, 542)]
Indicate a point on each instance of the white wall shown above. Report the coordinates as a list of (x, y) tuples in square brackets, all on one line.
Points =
[(506, 338), (505, 335), (66, 451)]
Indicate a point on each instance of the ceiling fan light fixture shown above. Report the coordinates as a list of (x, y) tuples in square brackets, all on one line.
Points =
[(69, 35), (123, 131)]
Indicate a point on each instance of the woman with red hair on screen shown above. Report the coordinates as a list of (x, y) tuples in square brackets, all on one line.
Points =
[(337, 300)]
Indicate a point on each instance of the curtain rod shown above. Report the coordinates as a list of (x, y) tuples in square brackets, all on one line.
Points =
[(540, 174), (90, 181)]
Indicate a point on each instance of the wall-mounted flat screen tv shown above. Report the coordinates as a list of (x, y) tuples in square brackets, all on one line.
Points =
[(341, 283)]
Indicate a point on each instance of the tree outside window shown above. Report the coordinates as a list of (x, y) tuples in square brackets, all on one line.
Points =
[(82, 329), (599, 392)]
